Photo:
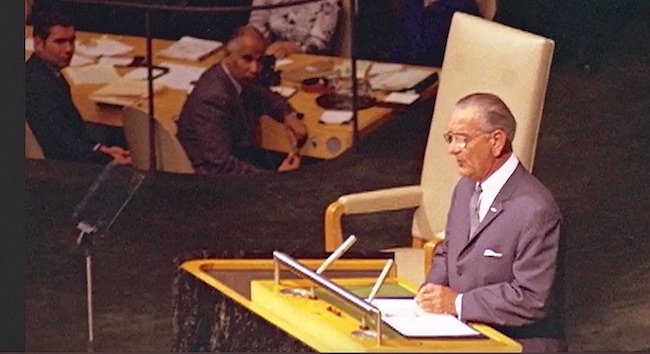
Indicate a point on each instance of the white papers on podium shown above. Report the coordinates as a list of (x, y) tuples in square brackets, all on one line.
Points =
[(190, 48), (92, 74), (406, 317), (99, 47), (180, 77)]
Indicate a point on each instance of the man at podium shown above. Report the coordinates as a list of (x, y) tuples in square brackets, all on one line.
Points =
[(500, 262)]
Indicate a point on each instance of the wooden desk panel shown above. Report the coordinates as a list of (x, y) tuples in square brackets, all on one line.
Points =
[(325, 141)]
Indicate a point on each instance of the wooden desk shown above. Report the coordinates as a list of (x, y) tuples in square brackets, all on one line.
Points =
[(326, 141)]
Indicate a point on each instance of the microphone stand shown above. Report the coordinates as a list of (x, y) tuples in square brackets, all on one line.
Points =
[(355, 84), (150, 98), (85, 240)]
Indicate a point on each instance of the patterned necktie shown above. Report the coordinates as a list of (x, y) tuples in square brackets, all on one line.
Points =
[(473, 210)]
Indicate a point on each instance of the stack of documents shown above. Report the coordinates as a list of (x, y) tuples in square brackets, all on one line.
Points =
[(190, 48), (124, 92), (406, 317)]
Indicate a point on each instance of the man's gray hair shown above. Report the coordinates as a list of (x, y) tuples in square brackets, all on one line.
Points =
[(494, 113), (244, 31)]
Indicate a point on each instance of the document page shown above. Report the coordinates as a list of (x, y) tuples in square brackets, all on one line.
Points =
[(190, 48), (408, 319)]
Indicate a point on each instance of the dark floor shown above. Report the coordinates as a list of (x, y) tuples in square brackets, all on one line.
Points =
[(592, 154)]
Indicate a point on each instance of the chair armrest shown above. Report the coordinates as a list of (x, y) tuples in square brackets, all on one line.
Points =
[(365, 203), (430, 250)]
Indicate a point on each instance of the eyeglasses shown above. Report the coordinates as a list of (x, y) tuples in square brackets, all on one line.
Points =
[(461, 140)]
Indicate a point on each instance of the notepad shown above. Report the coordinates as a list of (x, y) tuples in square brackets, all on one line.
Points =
[(190, 48), (406, 318)]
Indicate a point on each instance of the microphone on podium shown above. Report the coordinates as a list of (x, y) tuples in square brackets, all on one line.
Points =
[(380, 280), (337, 253)]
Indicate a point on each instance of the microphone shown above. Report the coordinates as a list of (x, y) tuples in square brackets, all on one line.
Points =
[(380, 280), (337, 253)]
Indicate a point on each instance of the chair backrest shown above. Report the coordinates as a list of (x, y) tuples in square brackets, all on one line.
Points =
[(482, 56), (33, 149), (343, 34), (170, 155)]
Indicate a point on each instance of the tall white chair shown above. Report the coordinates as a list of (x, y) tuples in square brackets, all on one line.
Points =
[(170, 155), (481, 56)]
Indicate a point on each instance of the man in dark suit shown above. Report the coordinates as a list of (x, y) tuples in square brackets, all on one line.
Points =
[(50, 111), (501, 260), (219, 118)]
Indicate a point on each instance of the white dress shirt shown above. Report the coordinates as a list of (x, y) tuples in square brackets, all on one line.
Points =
[(490, 188)]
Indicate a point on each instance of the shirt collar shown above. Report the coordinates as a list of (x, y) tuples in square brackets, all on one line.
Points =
[(493, 184), (232, 79)]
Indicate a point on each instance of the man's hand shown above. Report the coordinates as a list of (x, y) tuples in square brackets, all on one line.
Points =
[(437, 299), (281, 49), (296, 129), (291, 162), (119, 155)]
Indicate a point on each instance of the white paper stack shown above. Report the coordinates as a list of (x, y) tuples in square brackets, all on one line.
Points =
[(190, 48)]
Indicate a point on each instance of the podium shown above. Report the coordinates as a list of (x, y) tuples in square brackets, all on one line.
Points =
[(239, 305)]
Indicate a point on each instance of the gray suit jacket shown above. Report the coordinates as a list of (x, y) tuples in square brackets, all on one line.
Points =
[(217, 124), (510, 273)]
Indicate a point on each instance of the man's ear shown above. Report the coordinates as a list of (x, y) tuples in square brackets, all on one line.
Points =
[(39, 43), (498, 141)]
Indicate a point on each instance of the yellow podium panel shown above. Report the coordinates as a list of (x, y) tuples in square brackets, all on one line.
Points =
[(326, 322)]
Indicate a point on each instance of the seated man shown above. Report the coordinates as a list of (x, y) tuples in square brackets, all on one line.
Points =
[(218, 121), (305, 28), (501, 260), (50, 111)]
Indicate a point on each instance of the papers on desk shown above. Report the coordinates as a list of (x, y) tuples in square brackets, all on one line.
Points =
[(399, 80), (181, 77), (115, 61), (401, 97), (99, 47), (124, 92), (335, 117), (143, 73), (405, 317), (284, 91), (92, 74), (363, 67), (78, 60), (190, 48)]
